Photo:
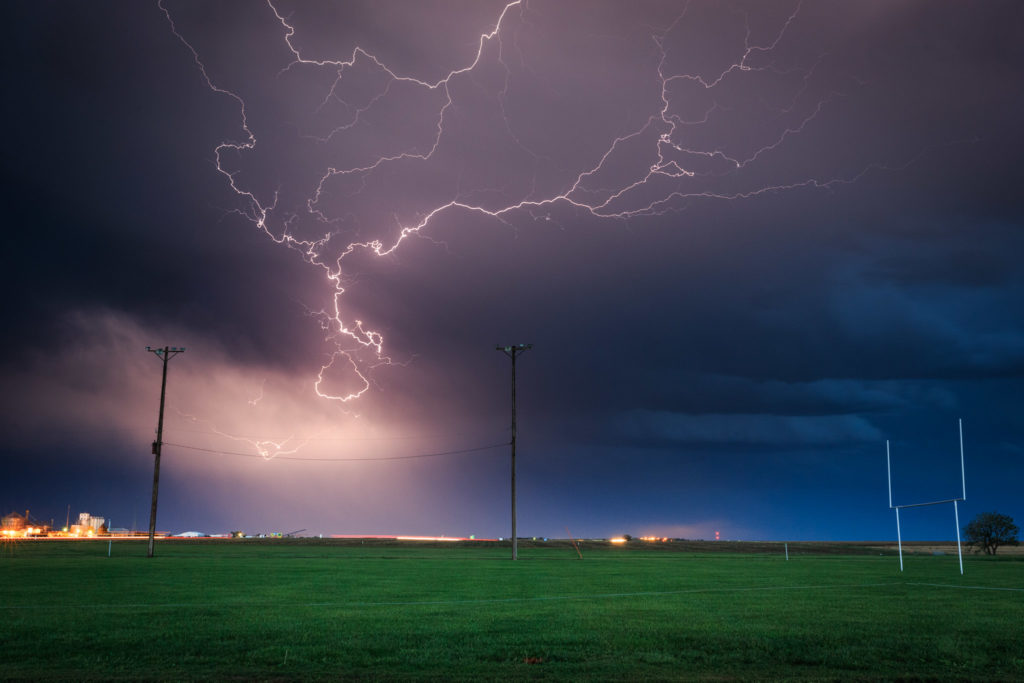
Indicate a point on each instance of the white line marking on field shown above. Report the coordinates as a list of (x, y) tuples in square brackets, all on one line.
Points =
[(467, 601), (970, 588), (484, 601)]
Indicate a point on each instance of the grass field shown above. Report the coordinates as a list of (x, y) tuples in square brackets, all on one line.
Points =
[(280, 610)]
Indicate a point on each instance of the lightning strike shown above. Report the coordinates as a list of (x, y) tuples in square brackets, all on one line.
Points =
[(259, 397), (677, 169), (267, 448)]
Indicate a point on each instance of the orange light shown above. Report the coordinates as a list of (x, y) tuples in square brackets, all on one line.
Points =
[(617, 540)]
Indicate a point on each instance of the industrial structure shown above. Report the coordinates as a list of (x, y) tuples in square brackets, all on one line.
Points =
[(15, 525), (88, 525)]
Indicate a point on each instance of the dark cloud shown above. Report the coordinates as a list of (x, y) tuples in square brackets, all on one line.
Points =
[(747, 429)]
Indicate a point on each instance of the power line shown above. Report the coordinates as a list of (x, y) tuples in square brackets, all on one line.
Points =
[(398, 437), (289, 457)]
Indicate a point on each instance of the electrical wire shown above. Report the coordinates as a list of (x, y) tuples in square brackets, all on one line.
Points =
[(289, 457), (399, 437)]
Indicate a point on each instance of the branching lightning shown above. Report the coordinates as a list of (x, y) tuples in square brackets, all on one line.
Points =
[(259, 396), (677, 170), (267, 448)]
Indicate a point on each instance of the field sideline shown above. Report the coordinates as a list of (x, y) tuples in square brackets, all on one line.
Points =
[(296, 609)]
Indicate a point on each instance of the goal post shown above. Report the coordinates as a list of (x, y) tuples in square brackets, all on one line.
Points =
[(954, 501)]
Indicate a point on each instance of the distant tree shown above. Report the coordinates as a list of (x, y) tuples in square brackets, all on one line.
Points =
[(989, 530)]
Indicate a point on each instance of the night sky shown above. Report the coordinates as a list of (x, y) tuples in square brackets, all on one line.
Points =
[(750, 242)]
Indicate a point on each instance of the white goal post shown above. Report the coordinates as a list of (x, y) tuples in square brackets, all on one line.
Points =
[(954, 501)]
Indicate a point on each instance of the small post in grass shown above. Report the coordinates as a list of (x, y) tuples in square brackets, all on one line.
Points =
[(574, 544)]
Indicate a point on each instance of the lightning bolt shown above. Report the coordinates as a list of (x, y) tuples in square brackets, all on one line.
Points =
[(677, 169), (267, 448), (259, 396)]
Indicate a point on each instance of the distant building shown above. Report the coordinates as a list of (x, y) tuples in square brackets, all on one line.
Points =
[(14, 521), (87, 521), (88, 525), (14, 524)]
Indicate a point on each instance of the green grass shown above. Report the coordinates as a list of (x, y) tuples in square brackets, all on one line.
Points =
[(284, 610)]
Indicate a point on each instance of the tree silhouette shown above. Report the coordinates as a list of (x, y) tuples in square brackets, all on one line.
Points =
[(989, 530)]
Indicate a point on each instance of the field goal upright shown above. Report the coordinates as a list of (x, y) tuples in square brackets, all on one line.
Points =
[(954, 501)]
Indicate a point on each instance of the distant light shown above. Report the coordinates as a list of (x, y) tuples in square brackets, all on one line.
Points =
[(617, 540)]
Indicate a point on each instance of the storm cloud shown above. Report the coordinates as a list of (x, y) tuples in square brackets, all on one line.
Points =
[(750, 243)]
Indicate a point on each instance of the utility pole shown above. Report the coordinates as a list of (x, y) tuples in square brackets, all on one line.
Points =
[(512, 352), (165, 354)]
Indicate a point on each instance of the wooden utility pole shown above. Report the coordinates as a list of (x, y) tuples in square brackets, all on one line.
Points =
[(512, 352), (165, 354)]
